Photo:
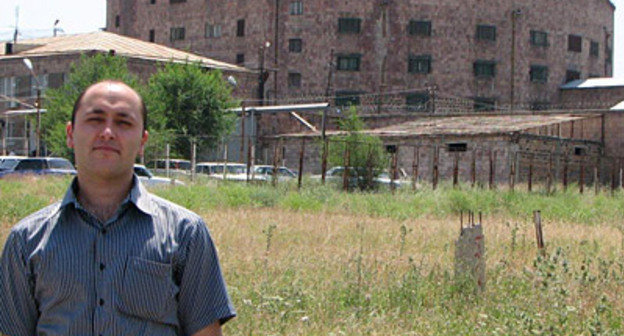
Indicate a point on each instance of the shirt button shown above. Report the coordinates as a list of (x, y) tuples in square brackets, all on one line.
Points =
[(102, 267), (101, 302)]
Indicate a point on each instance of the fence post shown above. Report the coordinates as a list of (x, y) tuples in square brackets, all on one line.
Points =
[(393, 173), (530, 185), (324, 159), (565, 172), (193, 158), (473, 169), (167, 158), (492, 167), (512, 171), (242, 139), (276, 154), (249, 158), (415, 163), (369, 167), (550, 174), (596, 179), (435, 167), (345, 173), (456, 170), (301, 154), (613, 176), (582, 175), (539, 235)]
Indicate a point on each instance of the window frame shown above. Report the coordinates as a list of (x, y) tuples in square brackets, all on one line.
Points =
[(177, 34), (295, 45), (414, 63), (294, 80), (479, 65), (349, 25), (536, 40), (296, 7), (594, 48), (417, 101), (351, 98), (240, 28), (575, 43), (538, 73), (486, 32), (357, 58), (419, 28)]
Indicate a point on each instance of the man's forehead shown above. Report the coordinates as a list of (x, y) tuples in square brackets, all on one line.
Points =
[(112, 91)]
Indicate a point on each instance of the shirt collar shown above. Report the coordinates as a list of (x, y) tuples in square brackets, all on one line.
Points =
[(138, 196)]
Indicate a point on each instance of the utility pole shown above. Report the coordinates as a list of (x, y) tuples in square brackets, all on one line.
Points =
[(515, 13)]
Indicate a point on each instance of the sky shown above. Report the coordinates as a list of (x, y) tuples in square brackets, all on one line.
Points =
[(37, 17)]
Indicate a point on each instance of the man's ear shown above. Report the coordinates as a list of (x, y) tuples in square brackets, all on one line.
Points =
[(69, 131), (143, 141)]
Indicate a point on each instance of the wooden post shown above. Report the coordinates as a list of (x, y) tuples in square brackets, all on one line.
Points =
[(301, 155), (249, 158), (549, 177), (345, 173), (276, 155), (539, 235), (456, 170), (324, 159), (242, 139), (415, 163), (394, 172), (492, 167), (582, 175), (565, 172), (193, 158), (473, 169), (512, 171), (613, 180), (435, 167), (596, 179), (530, 185)]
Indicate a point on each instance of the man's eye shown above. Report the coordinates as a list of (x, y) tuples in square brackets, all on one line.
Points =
[(124, 123), (95, 119)]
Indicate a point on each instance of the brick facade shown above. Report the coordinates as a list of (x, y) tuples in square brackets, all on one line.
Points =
[(385, 45)]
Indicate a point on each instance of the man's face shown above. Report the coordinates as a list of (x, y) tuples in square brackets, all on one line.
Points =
[(107, 134)]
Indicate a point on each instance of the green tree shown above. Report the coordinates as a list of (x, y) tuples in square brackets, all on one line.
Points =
[(367, 157), (60, 102), (191, 102)]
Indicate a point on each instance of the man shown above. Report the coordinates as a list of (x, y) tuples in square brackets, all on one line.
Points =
[(110, 258)]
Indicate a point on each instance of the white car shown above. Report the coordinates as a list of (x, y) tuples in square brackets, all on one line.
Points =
[(234, 171), (148, 179), (265, 173)]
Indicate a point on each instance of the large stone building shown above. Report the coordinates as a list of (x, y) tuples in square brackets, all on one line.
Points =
[(493, 53)]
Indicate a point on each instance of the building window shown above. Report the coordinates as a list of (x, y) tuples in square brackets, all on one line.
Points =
[(177, 34), (296, 8), (176, 1), (295, 45), (240, 58), (539, 38), (593, 75), (594, 49), (457, 147), (347, 98), (540, 106), (23, 86), (572, 75), (152, 35), (484, 104), (417, 102), (419, 64), (349, 25), (212, 30), (294, 80), (575, 43), (580, 151), (56, 80), (152, 2), (348, 62), (486, 33), (240, 27), (420, 28), (485, 69), (539, 73), (117, 21)]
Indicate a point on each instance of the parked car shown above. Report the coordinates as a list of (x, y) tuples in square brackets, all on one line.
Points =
[(148, 179), (218, 170), (177, 167), (357, 177), (38, 166), (265, 173), (9, 162)]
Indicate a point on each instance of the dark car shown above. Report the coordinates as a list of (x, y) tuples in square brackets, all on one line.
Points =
[(40, 166)]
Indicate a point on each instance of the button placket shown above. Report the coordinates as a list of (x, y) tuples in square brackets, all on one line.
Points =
[(101, 293)]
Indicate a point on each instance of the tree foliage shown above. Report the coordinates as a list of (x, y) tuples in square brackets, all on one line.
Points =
[(60, 102), (192, 103), (367, 157)]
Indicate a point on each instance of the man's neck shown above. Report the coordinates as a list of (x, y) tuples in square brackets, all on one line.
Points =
[(100, 197)]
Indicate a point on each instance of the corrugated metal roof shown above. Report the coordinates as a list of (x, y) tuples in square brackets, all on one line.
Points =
[(594, 83), (466, 125), (105, 42)]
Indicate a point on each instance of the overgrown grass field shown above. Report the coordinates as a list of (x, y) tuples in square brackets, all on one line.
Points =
[(324, 262)]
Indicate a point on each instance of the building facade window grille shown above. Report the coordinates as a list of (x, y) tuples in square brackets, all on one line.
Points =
[(294, 80), (575, 43), (296, 8), (177, 34), (212, 30), (484, 104), (457, 147), (484, 69), (486, 32), (539, 73), (594, 49), (347, 98), (349, 25), (348, 62), (419, 64), (539, 38), (417, 102), (240, 28), (295, 45), (419, 28), (152, 35)]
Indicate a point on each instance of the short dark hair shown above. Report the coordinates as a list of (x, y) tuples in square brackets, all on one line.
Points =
[(112, 81)]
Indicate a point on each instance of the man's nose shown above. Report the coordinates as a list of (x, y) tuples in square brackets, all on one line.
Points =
[(107, 131)]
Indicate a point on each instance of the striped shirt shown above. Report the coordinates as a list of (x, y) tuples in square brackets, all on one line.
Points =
[(151, 269)]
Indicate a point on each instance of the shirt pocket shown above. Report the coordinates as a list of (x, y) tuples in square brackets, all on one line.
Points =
[(148, 291)]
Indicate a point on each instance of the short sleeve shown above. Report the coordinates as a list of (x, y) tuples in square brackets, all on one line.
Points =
[(203, 297), (18, 312)]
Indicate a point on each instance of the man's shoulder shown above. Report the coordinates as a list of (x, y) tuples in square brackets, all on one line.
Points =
[(163, 207), (35, 221)]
